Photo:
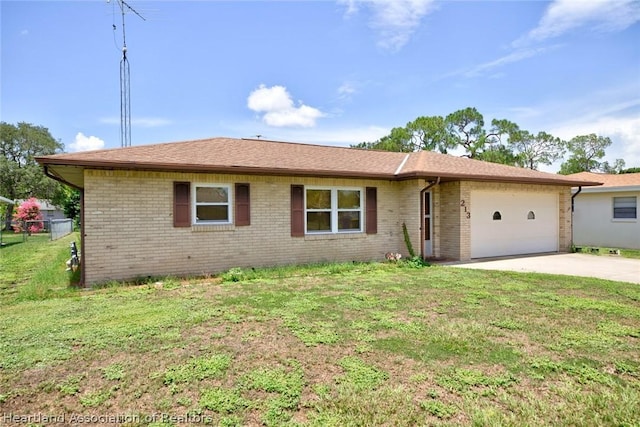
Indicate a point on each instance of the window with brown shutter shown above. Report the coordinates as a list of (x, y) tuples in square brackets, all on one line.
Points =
[(181, 204), (372, 210), (242, 205), (297, 211)]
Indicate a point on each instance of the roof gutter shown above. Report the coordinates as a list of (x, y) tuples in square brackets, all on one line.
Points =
[(573, 198), (422, 208)]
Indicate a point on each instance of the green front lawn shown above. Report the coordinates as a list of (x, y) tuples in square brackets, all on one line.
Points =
[(330, 345)]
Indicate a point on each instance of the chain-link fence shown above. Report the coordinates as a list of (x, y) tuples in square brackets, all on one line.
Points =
[(56, 228), (60, 227)]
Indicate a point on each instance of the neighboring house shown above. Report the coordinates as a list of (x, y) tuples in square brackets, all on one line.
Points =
[(48, 210), (197, 207), (607, 216)]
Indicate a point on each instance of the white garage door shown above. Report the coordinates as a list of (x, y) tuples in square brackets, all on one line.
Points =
[(512, 223)]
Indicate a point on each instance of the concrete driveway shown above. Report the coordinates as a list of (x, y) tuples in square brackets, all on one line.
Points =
[(603, 267)]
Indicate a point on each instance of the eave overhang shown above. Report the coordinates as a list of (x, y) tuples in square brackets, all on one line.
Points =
[(71, 172)]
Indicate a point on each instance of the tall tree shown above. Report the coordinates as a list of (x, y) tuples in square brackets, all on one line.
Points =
[(429, 133), (499, 153), (586, 153), (461, 129), (617, 166), (534, 150), (71, 204), (496, 148), (465, 128), (399, 139), (20, 176), (630, 170), (424, 133)]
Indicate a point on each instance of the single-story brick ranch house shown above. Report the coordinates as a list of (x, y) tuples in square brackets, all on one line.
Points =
[(205, 206)]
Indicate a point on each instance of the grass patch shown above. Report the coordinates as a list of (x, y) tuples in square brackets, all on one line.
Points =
[(71, 385), (198, 369), (96, 398), (474, 381), (286, 384), (581, 371), (113, 372), (360, 375), (36, 269), (222, 401), (329, 345), (595, 250), (439, 409)]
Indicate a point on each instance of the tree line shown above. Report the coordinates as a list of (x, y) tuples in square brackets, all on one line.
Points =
[(501, 142), (20, 175)]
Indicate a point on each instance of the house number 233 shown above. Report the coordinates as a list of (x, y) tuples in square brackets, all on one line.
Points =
[(463, 205)]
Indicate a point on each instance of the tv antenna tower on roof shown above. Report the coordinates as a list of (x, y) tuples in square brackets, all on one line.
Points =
[(125, 91)]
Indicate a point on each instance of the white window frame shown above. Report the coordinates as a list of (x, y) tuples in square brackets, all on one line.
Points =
[(195, 204), (335, 210), (613, 209)]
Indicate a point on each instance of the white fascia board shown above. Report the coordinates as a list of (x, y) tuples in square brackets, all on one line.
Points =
[(607, 189)]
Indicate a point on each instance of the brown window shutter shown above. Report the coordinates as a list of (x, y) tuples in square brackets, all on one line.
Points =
[(372, 210), (181, 204), (297, 211), (242, 205)]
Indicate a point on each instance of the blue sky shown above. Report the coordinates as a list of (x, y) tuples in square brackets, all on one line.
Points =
[(326, 72)]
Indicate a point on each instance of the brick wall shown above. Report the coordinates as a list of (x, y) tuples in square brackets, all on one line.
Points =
[(129, 226), (448, 238)]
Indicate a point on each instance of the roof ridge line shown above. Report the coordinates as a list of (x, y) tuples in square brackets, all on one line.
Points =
[(397, 172)]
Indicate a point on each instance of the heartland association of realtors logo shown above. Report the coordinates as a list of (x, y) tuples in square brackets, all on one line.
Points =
[(76, 419)]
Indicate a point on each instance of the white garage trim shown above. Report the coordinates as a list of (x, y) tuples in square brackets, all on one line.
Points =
[(513, 223)]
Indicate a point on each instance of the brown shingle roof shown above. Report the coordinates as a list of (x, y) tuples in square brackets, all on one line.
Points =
[(610, 180), (444, 165), (254, 156)]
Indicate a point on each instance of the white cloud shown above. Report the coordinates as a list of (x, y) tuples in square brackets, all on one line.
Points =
[(351, 5), (515, 56), (279, 110), (395, 21), (563, 16), (86, 143), (346, 90)]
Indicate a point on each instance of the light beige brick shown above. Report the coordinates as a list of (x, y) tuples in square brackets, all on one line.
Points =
[(129, 224)]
